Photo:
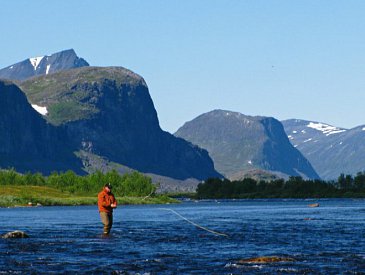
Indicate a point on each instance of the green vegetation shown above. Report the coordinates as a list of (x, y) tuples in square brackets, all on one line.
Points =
[(71, 189), (295, 187), (135, 188), (72, 95), (70, 111)]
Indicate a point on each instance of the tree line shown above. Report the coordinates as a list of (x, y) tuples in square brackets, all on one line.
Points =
[(294, 187), (134, 184)]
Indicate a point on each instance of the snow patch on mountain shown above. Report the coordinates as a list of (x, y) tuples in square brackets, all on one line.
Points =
[(48, 67), (363, 129), (325, 129), (42, 110), (35, 61)]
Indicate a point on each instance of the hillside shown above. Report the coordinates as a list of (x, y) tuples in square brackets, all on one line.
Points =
[(108, 112), (238, 144)]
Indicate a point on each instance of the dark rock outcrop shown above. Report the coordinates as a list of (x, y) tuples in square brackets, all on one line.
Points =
[(43, 65), (27, 141), (14, 235), (239, 143)]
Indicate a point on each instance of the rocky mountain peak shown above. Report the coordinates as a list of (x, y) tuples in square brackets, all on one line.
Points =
[(43, 65)]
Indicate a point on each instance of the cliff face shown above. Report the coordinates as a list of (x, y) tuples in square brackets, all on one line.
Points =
[(27, 141), (239, 143), (280, 155), (109, 112)]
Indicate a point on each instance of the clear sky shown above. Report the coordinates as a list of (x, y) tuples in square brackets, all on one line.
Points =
[(285, 59)]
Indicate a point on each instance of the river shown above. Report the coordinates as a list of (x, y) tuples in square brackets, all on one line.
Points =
[(153, 239)]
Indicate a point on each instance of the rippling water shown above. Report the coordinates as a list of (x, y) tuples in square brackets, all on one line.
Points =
[(329, 239)]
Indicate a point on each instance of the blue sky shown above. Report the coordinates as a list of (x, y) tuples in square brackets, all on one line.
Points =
[(286, 59)]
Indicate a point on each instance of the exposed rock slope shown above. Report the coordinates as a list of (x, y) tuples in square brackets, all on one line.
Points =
[(239, 143)]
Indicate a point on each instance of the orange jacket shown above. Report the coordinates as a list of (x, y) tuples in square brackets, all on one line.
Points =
[(105, 200)]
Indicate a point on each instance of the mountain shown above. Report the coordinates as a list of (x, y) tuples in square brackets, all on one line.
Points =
[(27, 141), (331, 150), (109, 115), (238, 144), (43, 65)]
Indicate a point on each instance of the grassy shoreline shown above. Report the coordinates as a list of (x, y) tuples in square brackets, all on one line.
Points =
[(25, 195), (22, 196)]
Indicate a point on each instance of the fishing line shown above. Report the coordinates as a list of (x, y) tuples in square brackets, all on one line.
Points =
[(195, 224), (148, 195)]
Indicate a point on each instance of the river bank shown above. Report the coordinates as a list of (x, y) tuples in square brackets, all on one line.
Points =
[(30, 196)]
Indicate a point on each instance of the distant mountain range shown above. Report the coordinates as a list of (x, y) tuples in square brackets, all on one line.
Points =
[(239, 144), (331, 150), (58, 113), (43, 65), (87, 118)]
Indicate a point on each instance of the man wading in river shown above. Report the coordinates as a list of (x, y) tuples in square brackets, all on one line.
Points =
[(106, 204)]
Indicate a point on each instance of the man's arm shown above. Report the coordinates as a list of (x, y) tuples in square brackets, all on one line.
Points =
[(114, 202)]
